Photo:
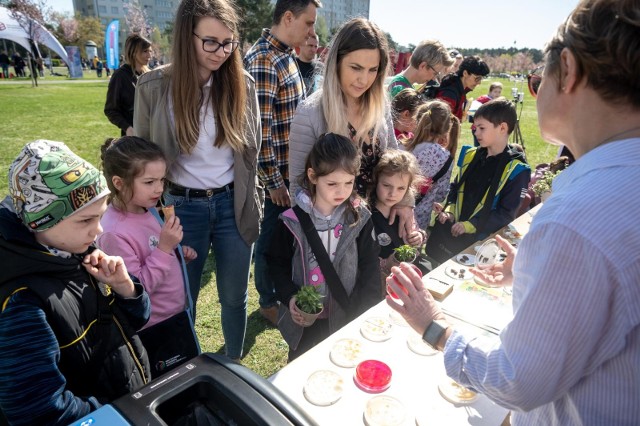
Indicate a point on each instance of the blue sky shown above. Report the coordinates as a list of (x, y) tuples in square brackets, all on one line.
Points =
[(467, 23)]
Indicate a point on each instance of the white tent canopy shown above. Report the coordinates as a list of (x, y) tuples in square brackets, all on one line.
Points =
[(10, 29)]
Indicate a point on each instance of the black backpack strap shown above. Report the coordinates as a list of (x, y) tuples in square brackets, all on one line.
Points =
[(443, 169), (331, 276)]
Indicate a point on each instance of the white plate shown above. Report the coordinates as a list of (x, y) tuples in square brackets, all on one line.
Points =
[(346, 353), (466, 259), (384, 410), (419, 346), (457, 394), (458, 272), (376, 329), (323, 387)]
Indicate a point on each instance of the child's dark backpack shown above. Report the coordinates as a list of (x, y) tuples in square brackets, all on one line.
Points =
[(428, 90)]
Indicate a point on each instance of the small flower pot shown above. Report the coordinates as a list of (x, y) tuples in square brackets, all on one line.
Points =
[(309, 319)]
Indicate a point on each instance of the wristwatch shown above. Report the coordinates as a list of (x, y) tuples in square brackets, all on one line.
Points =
[(434, 333)]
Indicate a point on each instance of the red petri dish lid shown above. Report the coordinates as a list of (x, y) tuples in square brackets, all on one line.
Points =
[(372, 376)]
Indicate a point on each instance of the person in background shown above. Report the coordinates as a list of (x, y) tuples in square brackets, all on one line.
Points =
[(344, 226), (434, 149), (202, 110), (488, 188), (571, 353), (310, 68), (122, 87), (457, 59), (280, 88), (68, 312), (429, 61), (455, 86), (404, 107), (495, 90), (4, 63)]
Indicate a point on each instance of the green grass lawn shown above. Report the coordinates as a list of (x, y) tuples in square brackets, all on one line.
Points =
[(72, 113)]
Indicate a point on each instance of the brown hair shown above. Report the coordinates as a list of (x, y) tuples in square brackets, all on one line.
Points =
[(603, 37), (126, 157), (406, 100), (330, 153), (228, 94), (434, 122), (498, 111), (135, 43), (393, 162)]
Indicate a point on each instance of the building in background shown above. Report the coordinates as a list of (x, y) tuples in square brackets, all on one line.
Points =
[(159, 13), (336, 12)]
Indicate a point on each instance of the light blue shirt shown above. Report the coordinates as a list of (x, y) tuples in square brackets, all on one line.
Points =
[(571, 354)]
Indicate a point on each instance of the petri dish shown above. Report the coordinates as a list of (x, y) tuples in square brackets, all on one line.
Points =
[(384, 410), (372, 376)]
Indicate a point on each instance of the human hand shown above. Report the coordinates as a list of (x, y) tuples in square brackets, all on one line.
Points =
[(444, 217), (407, 221), (295, 313), (280, 196), (170, 235), (419, 307), (414, 239), (109, 270), (189, 254), (130, 131), (500, 273), (438, 208), (457, 229)]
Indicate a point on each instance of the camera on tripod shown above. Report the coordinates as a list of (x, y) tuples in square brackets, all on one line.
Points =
[(518, 97)]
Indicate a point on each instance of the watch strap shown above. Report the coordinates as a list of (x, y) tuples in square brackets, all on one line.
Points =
[(434, 332)]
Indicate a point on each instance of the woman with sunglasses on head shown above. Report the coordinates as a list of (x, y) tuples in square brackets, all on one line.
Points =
[(352, 103), (202, 111), (571, 353), (455, 86), (122, 86)]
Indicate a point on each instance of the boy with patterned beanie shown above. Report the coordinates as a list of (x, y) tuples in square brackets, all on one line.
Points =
[(68, 312)]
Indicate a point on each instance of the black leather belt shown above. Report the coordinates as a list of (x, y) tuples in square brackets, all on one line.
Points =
[(175, 189)]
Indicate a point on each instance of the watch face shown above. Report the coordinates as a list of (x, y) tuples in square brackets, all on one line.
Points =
[(434, 332)]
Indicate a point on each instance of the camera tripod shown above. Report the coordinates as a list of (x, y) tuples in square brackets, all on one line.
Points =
[(516, 135)]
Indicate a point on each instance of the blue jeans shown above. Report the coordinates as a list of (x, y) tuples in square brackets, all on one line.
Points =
[(264, 285), (209, 223)]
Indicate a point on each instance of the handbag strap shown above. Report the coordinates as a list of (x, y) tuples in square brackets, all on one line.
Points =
[(443, 169), (180, 255), (329, 272)]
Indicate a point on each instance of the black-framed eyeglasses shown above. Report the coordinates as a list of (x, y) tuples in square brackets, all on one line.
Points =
[(438, 73), (534, 79), (212, 46)]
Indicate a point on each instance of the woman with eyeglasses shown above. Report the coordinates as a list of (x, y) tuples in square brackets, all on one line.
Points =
[(455, 86), (202, 110), (571, 353), (352, 103)]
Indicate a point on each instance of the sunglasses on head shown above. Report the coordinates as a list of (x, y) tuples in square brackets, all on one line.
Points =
[(534, 79)]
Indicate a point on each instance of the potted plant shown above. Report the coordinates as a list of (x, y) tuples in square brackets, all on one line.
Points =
[(542, 187), (405, 253), (309, 303)]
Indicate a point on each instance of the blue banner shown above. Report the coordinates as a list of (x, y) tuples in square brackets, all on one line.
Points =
[(111, 49)]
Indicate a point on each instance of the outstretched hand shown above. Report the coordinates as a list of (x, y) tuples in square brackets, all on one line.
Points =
[(500, 273), (419, 307)]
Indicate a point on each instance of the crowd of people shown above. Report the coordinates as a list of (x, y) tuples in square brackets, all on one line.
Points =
[(318, 170)]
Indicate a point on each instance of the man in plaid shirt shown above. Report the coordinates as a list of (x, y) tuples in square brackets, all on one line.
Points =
[(280, 88)]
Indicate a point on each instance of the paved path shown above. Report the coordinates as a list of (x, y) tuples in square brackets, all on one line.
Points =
[(45, 81)]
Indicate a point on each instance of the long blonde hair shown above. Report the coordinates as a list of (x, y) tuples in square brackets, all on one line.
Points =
[(228, 95), (356, 34)]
